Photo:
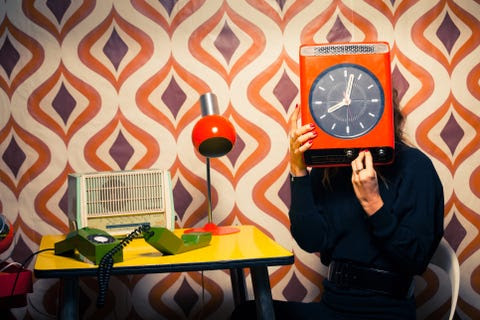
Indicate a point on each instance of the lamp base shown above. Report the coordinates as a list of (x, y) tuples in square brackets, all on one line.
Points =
[(214, 229)]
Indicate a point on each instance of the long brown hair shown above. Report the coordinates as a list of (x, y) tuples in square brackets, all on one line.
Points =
[(398, 118)]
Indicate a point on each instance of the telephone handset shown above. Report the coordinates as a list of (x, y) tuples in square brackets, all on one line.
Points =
[(167, 242)]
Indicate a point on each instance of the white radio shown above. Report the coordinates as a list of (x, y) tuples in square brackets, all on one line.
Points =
[(120, 201)]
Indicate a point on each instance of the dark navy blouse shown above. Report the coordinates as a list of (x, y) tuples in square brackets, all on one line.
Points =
[(401, 236)]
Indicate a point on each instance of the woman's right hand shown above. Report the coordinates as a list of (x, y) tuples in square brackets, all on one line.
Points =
[(300, 141)]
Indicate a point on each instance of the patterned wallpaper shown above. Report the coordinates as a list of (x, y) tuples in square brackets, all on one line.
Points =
[(113, 85)]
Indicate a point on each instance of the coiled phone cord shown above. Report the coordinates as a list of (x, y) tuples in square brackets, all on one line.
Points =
[(106, 263)]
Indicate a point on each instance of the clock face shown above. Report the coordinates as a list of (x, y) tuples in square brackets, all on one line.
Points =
[(346, 100)]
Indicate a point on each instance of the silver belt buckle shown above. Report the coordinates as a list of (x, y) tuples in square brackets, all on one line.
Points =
[(330, 270)]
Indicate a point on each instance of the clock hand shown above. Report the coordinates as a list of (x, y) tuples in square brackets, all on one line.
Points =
[(346, 100), (349, 88), (337, 106)]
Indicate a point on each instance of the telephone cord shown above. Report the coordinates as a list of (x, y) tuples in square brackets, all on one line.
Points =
[(106, 263)]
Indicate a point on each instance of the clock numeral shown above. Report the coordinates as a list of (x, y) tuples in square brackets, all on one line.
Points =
[(370, 86), (347, 129), (371, 114), (331, 77), (374, 100), (333, 126), (361, 125)]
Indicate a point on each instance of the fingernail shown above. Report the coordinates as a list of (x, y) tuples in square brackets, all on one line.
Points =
[(311, 125), (296, 106)]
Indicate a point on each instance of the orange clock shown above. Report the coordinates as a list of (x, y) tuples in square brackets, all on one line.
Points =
[(346, 93)]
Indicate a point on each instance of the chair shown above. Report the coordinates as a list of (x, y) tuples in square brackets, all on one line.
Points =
[(446, 259)]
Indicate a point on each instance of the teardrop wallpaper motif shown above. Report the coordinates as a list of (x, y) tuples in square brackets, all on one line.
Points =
[(114, 85)]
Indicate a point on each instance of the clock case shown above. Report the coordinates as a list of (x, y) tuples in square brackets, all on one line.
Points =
[(328, 150)]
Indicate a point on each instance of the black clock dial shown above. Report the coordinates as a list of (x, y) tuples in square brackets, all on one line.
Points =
[(346, 101)]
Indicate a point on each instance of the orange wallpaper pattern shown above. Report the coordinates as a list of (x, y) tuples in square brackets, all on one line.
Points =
[(113, 85)]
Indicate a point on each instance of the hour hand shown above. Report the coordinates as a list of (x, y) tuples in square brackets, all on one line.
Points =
[(337, 106)]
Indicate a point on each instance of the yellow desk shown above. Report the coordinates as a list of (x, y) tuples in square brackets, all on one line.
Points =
[(249, 248)]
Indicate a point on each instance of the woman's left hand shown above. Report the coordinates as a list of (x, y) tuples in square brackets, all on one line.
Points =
[(365, 183)]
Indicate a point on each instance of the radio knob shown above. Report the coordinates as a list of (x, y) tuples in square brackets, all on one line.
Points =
[(381, 153), (349, 153)]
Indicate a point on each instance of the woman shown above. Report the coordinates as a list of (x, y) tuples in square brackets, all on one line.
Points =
[(375, 227)]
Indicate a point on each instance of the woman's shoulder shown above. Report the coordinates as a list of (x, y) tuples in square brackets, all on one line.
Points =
[(412, 158)]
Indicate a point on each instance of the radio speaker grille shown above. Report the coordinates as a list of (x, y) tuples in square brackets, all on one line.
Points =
[(131, 192), (119, 201), (344, 49)]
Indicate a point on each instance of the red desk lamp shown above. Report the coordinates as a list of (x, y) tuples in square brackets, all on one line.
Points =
[(213, 136)]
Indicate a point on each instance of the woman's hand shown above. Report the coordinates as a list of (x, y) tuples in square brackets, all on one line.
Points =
[(365, 183), (300, 141)]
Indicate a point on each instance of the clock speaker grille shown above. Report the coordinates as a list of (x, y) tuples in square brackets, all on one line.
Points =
[(344, 49)]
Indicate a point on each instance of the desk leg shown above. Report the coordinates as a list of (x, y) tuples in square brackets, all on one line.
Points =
[(263, 293), (239, 288), (68, 302)]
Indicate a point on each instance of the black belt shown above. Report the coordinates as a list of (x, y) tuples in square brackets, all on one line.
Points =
[(351, 275)]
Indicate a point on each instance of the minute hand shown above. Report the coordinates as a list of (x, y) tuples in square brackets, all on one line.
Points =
[(348, 91)]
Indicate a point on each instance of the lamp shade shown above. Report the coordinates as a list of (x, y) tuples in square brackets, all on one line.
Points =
[(213, 135)]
